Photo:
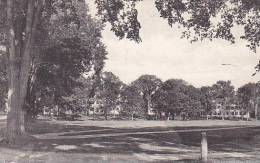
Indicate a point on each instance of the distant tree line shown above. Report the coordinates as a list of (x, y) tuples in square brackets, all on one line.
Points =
[(174, 96), (148, 93)]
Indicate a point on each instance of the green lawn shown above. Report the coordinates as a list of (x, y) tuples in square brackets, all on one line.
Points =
[(136, 141)]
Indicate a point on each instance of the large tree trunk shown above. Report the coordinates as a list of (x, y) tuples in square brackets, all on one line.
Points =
[(18, 77), (15, 123), (19, 60)]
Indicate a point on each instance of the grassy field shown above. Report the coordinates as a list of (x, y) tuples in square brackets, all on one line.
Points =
[(136, 141)]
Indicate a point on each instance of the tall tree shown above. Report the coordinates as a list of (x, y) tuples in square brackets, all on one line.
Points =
[(61, 76), (20, 22), (147, 86), (224, 91), (194, 96), (247, 96), (108, 92), (18, 30), (132, 101), (71, 52), (176, 95), (169, 97), (207, 97)]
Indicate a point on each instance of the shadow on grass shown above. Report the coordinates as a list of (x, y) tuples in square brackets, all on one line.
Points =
[(151, 140), (130, 142)]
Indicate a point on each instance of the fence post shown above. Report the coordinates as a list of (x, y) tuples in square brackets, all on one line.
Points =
[(204, 147)]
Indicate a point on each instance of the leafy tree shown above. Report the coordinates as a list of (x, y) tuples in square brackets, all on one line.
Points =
[(247, 95), (169, 95), (73, 52), (108, 92), (206, 98), (82, 94), (132, 101), (176, 95), (19, 24), (147, 86), (224, 91), (160, 100), (60, 73), (56, 24), (194, 96), (69, 52)]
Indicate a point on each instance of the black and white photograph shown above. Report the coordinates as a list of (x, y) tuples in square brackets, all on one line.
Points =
[(129, 81)]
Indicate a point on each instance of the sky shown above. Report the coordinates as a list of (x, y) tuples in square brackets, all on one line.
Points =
[(163, 53)]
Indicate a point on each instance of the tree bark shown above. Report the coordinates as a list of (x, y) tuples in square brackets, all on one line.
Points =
[(14, 118), (14, 124), (19, 60)]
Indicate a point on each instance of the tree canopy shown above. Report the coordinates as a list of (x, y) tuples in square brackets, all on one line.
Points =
[(108, 92), (132, 101), (247, 95), (34, 30), (147, 86), (198, 19), (176, 95)]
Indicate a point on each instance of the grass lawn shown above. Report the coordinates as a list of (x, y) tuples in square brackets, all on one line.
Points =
[(136, 141)]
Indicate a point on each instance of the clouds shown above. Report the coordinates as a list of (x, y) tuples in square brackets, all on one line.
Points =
[(164, 54)]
